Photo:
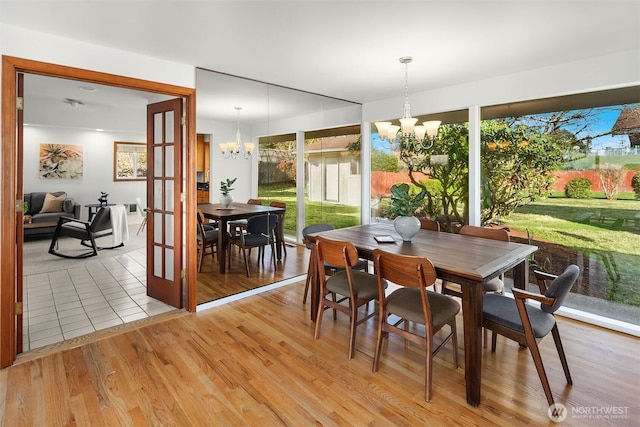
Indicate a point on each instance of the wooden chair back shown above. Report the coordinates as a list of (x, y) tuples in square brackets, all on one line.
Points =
[(429, 224), (254, 202), (335, 252), (404, 270), (354, 288), (277, 204), (486, 233)]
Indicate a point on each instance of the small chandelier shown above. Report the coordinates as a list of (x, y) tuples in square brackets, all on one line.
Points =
[(388, 132), (236, 148)]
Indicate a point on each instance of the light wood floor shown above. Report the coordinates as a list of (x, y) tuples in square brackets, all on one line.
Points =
[(213, 286), (254, 362)]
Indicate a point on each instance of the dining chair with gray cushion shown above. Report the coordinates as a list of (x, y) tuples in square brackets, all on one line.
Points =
[(497, 283), (282, 205), (526, 323), (207, 238), (259, 233), (355, 288), (413, 302), (328, 269), (238, 226)]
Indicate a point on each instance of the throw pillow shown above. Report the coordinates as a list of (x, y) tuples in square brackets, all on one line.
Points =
[(52, 203)]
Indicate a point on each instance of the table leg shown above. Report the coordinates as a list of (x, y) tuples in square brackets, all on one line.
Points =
[(314, 285), (279, 236), (472, 318), (222, 245), (521, 275)]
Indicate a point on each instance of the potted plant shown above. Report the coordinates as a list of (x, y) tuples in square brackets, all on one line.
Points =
[(25, 209), (225, 189), (403, 207)]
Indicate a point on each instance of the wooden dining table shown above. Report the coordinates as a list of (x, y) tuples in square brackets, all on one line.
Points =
[(237, 211), (468, 261)]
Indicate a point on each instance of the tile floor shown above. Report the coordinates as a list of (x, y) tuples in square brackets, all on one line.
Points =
[(97, 295)]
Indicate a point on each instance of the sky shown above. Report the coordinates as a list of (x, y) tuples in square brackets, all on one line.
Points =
[(602, 123)]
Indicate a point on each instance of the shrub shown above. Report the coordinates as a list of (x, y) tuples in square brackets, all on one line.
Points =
[(578, 188), (611, 177), (433, 205), (635, 184)]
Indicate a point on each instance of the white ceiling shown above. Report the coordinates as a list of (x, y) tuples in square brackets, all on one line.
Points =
[(346, 49)]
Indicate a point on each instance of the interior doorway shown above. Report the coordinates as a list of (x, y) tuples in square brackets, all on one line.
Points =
[(12, 188)]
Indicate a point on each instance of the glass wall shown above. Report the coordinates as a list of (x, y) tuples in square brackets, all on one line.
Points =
[(332, 178), (275, 118), (587, 213), (277, 176), (440, 166)]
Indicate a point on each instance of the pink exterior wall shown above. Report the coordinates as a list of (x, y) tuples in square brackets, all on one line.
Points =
[(381, 182), (562, 177)]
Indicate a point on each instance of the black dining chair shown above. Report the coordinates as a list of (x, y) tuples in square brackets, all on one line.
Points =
[(207, 238), (260, 232), (527, 324)]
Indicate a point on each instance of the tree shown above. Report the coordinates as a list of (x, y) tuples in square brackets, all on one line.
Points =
[(611, 177), (452, 175), (516, 165), (565, 126), (381, 161)]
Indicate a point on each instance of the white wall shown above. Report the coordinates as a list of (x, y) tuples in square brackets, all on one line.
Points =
[(97, 168), (598, 73), (44, 47), (604, 72), (222, 168)]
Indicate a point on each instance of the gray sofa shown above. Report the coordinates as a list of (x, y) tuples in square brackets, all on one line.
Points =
[(34, 203)]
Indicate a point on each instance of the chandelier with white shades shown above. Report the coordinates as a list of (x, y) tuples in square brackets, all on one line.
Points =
[(236, 148), (424, 134)]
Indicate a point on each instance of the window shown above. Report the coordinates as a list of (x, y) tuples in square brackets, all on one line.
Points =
[(129, 161)]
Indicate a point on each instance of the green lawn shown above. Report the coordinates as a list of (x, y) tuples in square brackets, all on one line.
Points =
[(605, 230), (589, 162), (315, 212)]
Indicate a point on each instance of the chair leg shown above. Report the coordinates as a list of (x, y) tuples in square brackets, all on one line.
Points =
[(454, 342), (494, 341), (310, 272), (273, 257), (316, 335), (537, 360), (563, 358), (352, 327), (246, 262), (141, 228), (201, 257), (306, 287), (380, 336), (428, 368)]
